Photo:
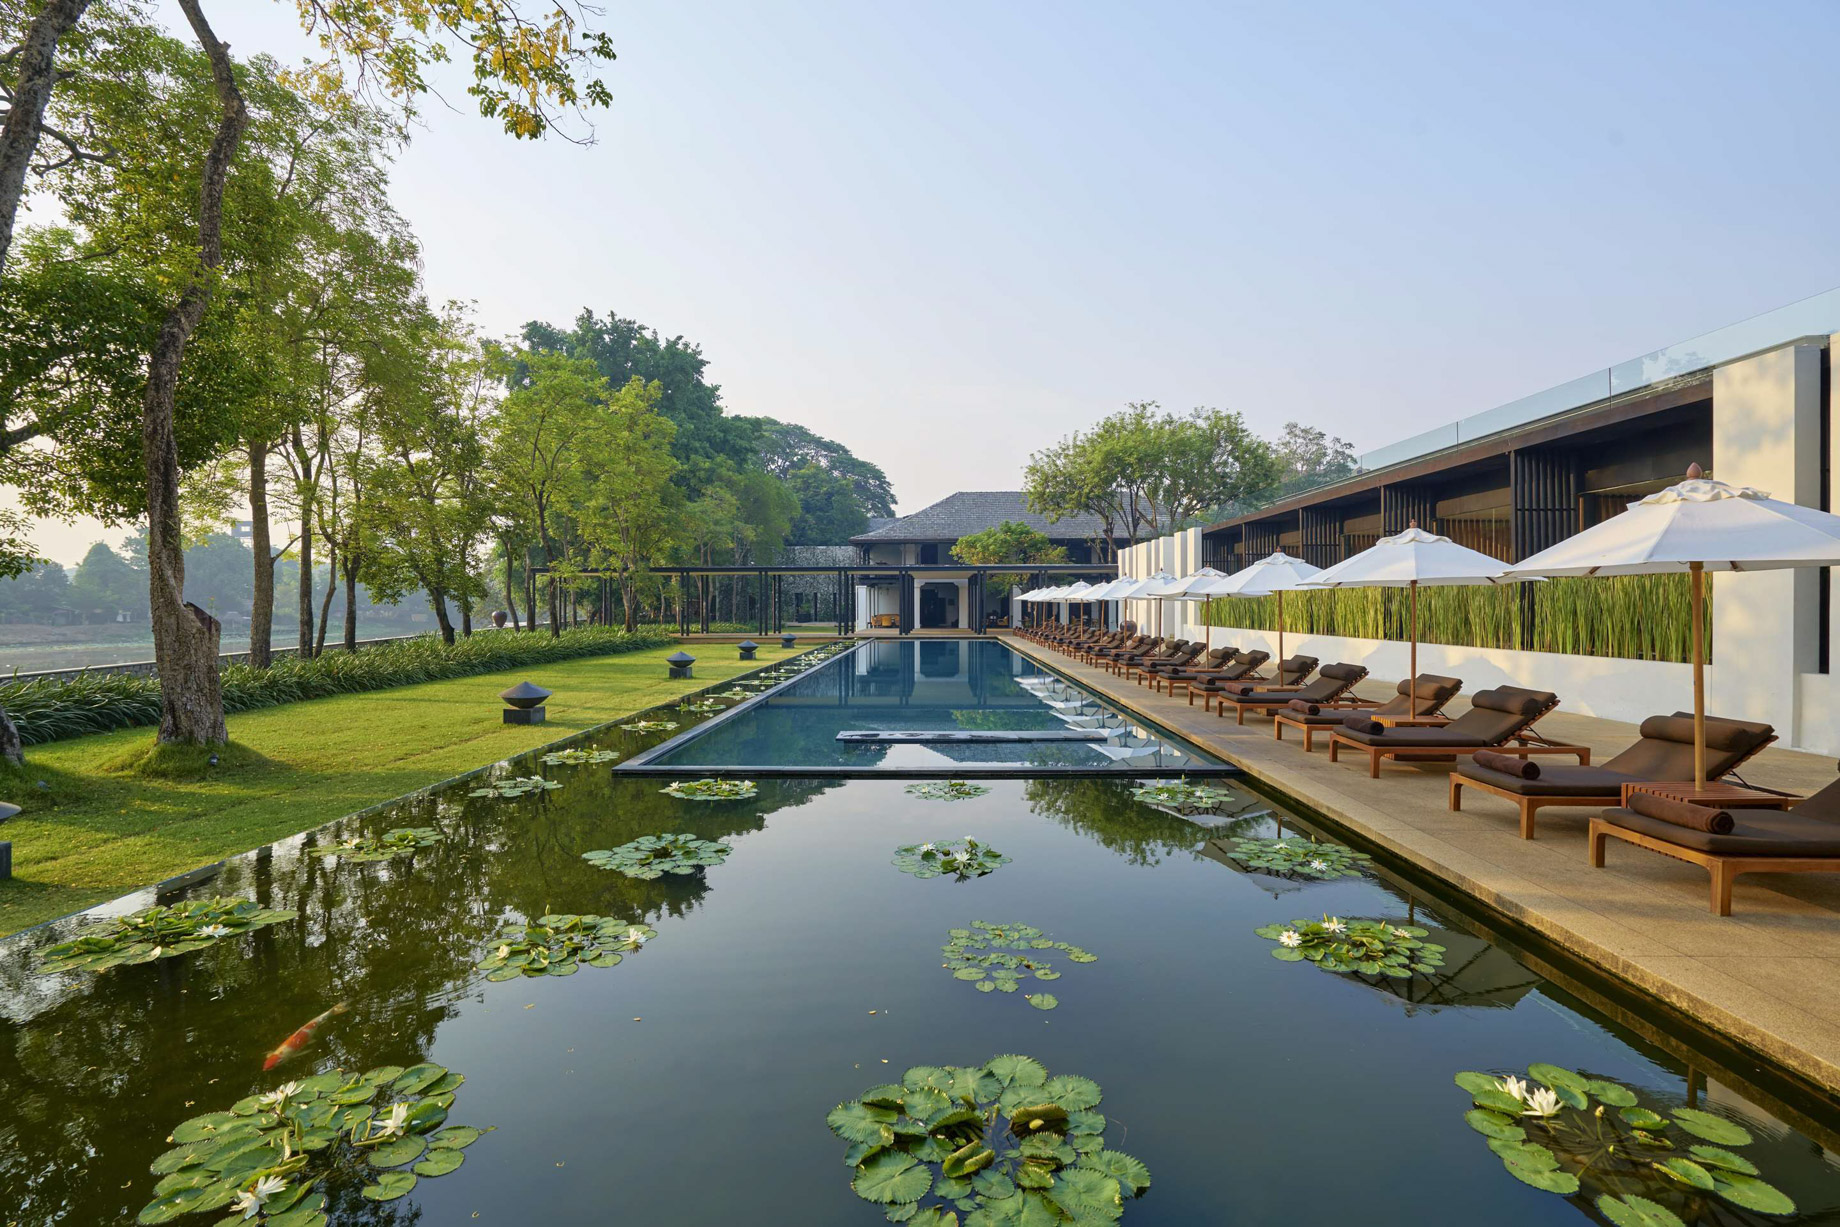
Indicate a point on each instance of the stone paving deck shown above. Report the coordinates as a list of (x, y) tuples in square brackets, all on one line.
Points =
[(1768, 975)]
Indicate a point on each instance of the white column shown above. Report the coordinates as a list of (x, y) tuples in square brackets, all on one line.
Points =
[(964, 615), (1766, 432), (917, 587)]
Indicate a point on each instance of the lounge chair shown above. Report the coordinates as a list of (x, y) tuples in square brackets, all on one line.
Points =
[(1805, 838), (1143, 645), (1209, 665), (1168, 651), (1663, 753), (1290, 674), (1172, 664), (1245, 667), (1434, 691), (1500, 719), (1334, 682)]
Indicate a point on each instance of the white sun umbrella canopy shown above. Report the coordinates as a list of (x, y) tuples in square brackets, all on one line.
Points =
[(1147, 588), (1199, 586), (1413, 559), (1696, 526), (1074, 592), (1273, 575)]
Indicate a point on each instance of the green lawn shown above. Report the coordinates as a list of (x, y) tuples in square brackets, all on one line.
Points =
[(93, 835)]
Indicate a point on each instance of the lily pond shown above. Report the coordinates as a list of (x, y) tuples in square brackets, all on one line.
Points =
[(1087, 1000)]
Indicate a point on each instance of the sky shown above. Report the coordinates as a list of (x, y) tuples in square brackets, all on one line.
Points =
[(948, 234)]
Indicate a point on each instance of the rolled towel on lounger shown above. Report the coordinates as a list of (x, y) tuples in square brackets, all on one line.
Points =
[(1363, 724), (1508, 764), (1682, 813), (1241, 688), (1305, 706)]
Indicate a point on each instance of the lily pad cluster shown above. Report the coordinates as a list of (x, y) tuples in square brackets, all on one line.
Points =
[(711, 790), (269, 1158), (1002, 1143), (1300, 858), (160, 933), (391, 843), (557, 945), (731, 694), (1360, 947), (1183, 796), (946, 790), (650, 726), (964, 859), (516, 786), (1563, 1132), (653, 856), (699, 709), (576, 757), (996, 958)]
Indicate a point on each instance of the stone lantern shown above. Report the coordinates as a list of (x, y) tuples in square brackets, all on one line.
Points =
[(680, 662), (748, 648), (786, 640), (525, 703)]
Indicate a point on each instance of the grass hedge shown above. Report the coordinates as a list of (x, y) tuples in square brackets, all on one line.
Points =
[(49, 710)]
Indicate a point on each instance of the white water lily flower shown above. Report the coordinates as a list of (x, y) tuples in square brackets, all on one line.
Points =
[(250, 1200), (280, 1094), (1290, 937), (213, 930), (395, 1122), (925, 848), (1511, 1085), (1543, 1102), (1335, 924), (635, 937), (504, 952), (1319, 865)]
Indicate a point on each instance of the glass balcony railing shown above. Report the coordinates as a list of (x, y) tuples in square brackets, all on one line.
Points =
[(1817, 316)]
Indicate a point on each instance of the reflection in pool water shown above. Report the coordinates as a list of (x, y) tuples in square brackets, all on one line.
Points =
[(690, 1085), (1003, 709)]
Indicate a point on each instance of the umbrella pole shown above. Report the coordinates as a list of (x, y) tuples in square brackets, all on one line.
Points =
[(1280, 630), (1699, 675), (1412, 674)]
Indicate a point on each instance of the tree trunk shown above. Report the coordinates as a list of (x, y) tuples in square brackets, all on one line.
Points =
[(351, 602), (25, 116), (304, 604), (466, 617), (510, 592), (185, 637), (12, 749), (325, 604), (262, 598), (437, 599)]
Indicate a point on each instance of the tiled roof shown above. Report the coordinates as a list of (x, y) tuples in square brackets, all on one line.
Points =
[(973, 511)]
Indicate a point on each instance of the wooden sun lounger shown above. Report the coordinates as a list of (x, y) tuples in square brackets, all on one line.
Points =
[(1500, 720)]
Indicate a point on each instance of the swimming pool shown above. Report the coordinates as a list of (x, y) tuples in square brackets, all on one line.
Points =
[(963, 706), (692, 1083)]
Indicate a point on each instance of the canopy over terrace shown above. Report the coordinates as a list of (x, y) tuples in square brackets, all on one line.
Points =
[(768, 609)]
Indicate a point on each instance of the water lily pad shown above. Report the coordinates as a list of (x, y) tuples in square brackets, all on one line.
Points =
[(440, 1161), (1629, 1210), (653, 856), (946, 790), (1300, 858), (395, 1154), (891, 1176), (159, 933), (1043, 1001), (517, 786), (389, 1186), (1752, 1194), (1712, 1128), (711, 790), (963, 859)]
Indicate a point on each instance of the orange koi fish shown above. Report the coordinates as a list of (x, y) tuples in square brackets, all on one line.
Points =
[(295, 1042)]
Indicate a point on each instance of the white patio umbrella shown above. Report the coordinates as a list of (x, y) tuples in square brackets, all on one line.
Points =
[(1273, 575), (1200, 586), (1696, 526), (1147, 588), (1412, 559), (1074, 592)]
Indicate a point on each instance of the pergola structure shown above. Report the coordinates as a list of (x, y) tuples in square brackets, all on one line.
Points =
[(768, 583)]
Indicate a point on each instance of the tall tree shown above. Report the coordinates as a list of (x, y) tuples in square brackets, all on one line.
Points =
[(630, 512), (787, 447)]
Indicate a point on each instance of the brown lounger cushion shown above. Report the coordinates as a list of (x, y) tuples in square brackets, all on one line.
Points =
[(1305, 706), (1665, 750), (1344, 673), (1758, 832), (1363, 725), (1556, 780), (1682, 813), (1507, 764)]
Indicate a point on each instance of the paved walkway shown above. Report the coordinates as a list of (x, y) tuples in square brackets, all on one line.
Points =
[(1768, 975)]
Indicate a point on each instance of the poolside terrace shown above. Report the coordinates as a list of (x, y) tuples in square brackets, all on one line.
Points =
[(1768, 976)]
